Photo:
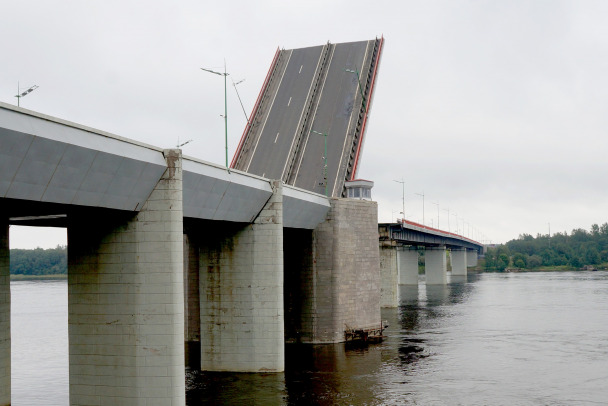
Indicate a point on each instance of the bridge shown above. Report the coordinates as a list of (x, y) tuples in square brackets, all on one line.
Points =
[(172, 258), (308, 124), (400, 244)]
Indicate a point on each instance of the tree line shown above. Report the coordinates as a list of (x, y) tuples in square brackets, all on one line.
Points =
[(574, 250), (52, 261)]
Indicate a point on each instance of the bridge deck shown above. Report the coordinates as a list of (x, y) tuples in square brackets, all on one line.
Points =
[(308, 90)]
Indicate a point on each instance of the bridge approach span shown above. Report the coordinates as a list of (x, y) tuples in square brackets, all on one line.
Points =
[(59, 165)]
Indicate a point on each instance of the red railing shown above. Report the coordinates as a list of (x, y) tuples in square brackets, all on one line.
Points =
[(367, 107), (255, 108)]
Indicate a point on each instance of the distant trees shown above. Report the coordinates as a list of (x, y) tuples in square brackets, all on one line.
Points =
[(39, 261), (577, 249)]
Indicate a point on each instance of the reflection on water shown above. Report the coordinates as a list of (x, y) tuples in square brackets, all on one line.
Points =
[(492, 339)]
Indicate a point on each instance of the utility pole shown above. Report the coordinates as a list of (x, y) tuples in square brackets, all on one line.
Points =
[(402, 196), (225, 106)]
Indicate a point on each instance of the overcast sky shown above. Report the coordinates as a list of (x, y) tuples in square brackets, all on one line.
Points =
[(495, 110)]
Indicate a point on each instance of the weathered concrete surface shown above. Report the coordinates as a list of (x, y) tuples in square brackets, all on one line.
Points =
[(192, 310), (389, 275), (241, 288), (125, 300), (407, 263), (435, 266), (472, 257), (5, 316), (341, 288), (458, 258)]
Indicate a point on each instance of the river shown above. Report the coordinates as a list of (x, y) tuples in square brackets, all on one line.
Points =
[(494, 339)]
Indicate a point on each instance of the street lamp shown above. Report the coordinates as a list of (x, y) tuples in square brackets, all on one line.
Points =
[(225, 106), (448, 210), (402, 196), (239, 96), (324, 158), (422, 194), (25, 93), (356, 71), (437, 204)]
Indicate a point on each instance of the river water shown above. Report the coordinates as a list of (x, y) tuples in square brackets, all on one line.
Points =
[(492, 339)]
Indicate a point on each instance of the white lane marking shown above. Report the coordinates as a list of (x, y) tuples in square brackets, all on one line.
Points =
[(314, 115), (300, 68), (289, 102), (291, 148), (269, 110), (276, 138)]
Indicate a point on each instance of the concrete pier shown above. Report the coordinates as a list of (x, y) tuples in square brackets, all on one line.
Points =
[(407, 263), (435, 265), (5, 317), (125, 300), (472, 258), (241, 292), (458, 258), (340, 282), (389, 274)]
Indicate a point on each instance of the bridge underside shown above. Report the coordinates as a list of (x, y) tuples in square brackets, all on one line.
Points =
[(312, 112)]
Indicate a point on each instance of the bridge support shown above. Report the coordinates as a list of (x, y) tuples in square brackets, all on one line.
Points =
[(125, 300), (241, 292), (340, 282), (472, 258), (407, 262), (458, 258), (435, 265), (5, 317), (389, 275)]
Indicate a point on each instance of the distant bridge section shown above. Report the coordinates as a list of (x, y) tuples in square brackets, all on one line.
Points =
[(410, 233), (313, 100)]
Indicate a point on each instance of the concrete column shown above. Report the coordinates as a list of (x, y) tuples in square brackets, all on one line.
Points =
[(458, 257), (435, 265), (125, 300), (389, 274), (5, 317), (407, 262), (241, 288), (472, 258), (346, 278), (333, 281), (192, 311)]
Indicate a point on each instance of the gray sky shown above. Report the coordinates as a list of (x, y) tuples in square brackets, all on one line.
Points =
[(495, 110)]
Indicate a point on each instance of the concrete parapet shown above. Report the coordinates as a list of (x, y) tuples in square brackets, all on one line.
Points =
[(435, 265), (241, 290), (458, 258), (5, 317), (341, 286), (407, 262), (125, 300)]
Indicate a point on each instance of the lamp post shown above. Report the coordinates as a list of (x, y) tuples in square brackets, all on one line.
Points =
[(356, 71), (324, 158), (25, 93), (225, 106), (448, 210), (422, 194), (402, 195), (239, 96)]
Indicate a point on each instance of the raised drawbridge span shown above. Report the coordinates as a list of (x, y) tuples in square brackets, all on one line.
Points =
[(308, 123)]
